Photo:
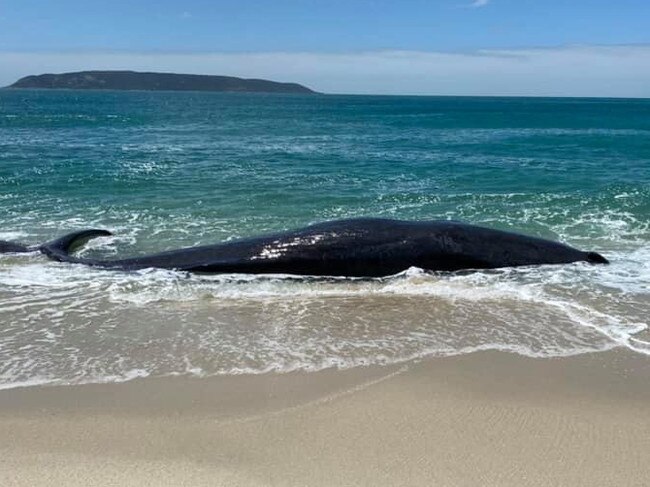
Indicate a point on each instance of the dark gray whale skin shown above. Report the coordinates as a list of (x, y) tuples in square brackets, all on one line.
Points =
[(363, 247)]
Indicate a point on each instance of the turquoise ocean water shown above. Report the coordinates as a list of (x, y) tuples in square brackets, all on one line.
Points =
[(164, 170)]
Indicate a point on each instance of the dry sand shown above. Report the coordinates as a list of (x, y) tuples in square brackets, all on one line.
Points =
[(482, 419)]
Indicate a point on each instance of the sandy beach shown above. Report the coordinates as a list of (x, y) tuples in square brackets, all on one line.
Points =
[(488, 418)]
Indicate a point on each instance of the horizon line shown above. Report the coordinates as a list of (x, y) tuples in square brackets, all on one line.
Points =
[(577, 70)]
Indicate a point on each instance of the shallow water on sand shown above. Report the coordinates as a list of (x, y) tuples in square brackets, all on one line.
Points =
[(164, 170)]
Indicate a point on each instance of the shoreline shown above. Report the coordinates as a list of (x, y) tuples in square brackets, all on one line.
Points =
[(487, 418)]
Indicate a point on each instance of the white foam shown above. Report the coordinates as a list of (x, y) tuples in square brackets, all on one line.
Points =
[(12, 236)]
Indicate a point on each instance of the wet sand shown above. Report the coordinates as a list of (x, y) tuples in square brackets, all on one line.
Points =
[(489, 418)]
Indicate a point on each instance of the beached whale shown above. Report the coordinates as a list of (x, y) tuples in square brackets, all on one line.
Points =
[(362, 247)]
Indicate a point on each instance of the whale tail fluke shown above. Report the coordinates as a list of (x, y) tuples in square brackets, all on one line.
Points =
[(596, 258), (60, 248), (14, 248)]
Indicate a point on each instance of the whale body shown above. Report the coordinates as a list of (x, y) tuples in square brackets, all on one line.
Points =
[(362, 247)]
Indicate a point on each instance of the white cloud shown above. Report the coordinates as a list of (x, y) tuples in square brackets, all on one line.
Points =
[(616, 71), (479, 3)]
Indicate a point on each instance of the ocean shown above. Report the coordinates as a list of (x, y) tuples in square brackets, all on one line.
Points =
[(164, 170)]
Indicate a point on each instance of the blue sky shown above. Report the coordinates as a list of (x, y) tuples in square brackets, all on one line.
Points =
[(310, 40)]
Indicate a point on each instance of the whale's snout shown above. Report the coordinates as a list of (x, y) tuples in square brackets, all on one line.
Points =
[(596, 258)]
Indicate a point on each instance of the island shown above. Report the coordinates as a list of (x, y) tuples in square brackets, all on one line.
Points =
[(132, 80)]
